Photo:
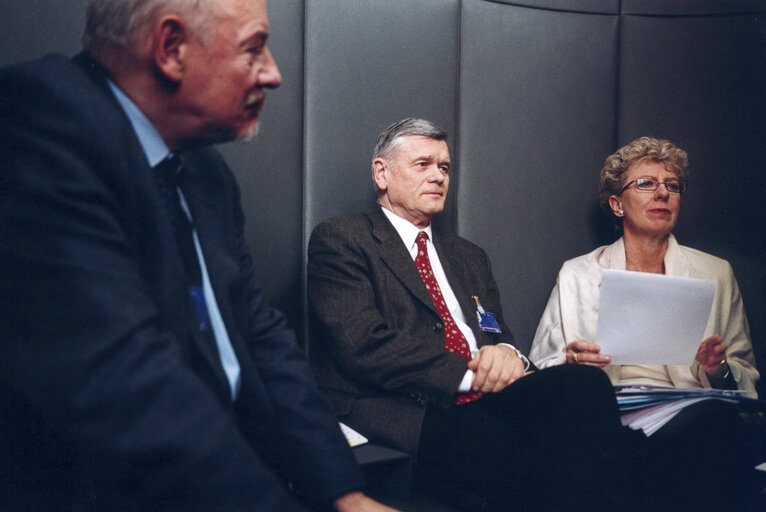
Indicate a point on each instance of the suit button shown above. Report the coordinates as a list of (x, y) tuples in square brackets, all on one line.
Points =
[(438, 326)]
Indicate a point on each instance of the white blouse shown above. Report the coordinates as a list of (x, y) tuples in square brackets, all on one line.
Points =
[(572, 315)]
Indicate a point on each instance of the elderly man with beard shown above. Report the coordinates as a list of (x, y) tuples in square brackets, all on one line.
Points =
[(139, 366)]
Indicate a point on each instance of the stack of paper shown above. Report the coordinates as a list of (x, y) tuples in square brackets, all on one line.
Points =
[(649, 407), (652, 318), (353, 437)]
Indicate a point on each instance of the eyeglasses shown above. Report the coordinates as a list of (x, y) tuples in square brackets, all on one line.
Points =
[(650, 184)]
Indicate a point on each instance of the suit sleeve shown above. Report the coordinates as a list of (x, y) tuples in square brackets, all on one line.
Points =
[(83, 347), (313, 452), (348, 309)]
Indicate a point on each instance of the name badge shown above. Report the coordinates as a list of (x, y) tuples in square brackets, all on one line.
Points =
[(200, 306), (487, 320)]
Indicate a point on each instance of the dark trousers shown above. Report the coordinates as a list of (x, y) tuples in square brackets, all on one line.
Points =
[(702, 460), (551, 441)]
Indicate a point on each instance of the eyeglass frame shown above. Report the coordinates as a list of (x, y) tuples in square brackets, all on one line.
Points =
[(681, 185)]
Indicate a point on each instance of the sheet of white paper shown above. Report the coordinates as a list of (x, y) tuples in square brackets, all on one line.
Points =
[(651, 318)]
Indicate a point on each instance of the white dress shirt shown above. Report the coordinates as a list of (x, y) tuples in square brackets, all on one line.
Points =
[(408, 233)]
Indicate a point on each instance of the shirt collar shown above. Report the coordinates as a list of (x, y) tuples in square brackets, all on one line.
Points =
[(676, 263), (150, 139), (408, 232)]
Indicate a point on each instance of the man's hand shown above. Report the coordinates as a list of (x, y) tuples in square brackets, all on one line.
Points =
[(358, 502), (712, 357), (496, 367), (585, 352)]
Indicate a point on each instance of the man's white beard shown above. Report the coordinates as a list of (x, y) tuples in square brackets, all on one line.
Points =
[(252, 133)]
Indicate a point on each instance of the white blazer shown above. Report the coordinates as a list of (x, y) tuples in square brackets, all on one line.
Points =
[(572, 312)]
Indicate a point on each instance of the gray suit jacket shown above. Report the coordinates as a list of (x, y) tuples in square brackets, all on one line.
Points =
[(377, 344)]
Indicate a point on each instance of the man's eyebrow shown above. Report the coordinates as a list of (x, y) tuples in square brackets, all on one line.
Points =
[(430, 158), (258, 38)]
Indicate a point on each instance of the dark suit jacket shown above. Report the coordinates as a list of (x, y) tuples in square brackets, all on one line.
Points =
[(109, 396), (377, 340)]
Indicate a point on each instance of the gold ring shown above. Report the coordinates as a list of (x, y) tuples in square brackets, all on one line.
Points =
[(577, 361)]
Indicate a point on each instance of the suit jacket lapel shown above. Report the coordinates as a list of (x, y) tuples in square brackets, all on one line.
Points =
[(454, 269), (397, 257), (209, 202)]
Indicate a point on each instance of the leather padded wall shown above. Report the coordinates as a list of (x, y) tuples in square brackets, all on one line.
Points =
[(581, 6), (370, 63), (537, 97), (33, 28), (700, 80), (270, 170), (534, 95)]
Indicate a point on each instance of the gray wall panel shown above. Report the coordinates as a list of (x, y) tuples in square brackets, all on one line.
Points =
[(689, 7), (370, 63), (270, 170), (32, 28), (537, 96), (701, 82), (586, 6), (533, 98)]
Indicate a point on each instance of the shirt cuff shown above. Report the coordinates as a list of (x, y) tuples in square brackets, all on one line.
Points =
[(465, 384), (519, 355)]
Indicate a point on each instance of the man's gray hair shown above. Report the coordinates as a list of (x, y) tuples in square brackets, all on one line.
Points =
[(391, 137), (114, 28)]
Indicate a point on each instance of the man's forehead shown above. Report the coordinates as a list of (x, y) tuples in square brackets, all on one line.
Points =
[(424, 145), (250, 15)]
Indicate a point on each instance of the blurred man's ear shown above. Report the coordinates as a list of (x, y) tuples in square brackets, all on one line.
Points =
[(170, 41)]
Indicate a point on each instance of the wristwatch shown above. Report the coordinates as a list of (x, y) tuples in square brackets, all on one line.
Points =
[(521, 356)]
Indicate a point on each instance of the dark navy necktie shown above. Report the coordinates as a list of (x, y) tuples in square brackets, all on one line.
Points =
[(170, 180), (167, 174)]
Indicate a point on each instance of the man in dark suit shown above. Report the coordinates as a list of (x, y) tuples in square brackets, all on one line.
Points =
[(139, 366), (416, 354)]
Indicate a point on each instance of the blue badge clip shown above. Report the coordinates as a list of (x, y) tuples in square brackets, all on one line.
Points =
[(200, 307), (487, 320)]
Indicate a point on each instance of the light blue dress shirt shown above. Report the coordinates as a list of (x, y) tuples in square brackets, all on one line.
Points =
[(156, 151)]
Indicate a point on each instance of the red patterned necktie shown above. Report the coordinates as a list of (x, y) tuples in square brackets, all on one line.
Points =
[(454, 341)]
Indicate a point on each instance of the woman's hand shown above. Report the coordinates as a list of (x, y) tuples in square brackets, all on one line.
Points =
[(585, 352), (712, 357)]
